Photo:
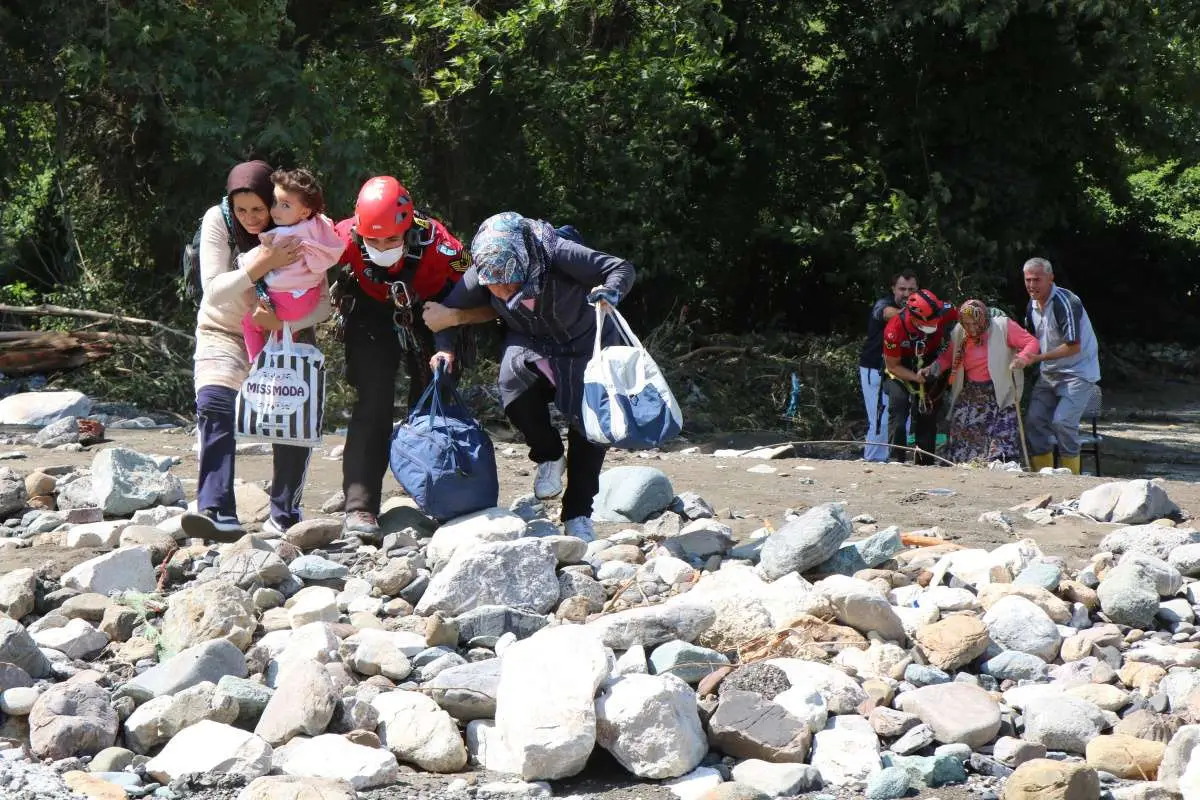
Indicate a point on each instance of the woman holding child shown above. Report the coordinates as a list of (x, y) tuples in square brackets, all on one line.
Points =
[(251, 284)]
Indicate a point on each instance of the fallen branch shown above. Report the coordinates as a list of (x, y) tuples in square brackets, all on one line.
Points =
[(47, 337), (45, 310), (714, 348)]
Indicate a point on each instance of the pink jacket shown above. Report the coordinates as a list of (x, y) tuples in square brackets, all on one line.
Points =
[(320, 247)]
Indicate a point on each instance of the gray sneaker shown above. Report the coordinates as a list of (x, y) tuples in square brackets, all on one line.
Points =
[(362, 524)]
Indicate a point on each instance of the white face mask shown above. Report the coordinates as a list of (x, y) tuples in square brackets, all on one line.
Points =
[(927, 328), (385, 258)]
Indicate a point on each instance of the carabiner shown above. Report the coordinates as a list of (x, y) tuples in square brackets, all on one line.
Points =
[(401, 297)]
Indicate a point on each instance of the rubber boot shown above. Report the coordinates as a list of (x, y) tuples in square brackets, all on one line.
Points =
[(1036, 463), (1071, 463)]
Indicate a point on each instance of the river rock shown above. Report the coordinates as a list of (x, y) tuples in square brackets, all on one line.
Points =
[(804, 542), (651, 726)]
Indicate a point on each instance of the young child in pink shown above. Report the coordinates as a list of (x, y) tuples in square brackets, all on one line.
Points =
[(294, 290)]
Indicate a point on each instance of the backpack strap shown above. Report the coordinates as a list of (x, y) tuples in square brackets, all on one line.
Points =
[(228, 224)]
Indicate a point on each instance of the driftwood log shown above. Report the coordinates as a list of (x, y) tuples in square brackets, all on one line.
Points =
[(28, 352)]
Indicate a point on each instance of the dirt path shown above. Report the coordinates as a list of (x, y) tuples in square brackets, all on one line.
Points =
[(894, 494)]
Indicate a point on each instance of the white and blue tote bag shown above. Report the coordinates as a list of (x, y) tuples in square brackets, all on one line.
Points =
[(283, 399), (626, 400)]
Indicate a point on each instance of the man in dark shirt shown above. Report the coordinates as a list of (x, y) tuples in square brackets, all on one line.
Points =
[(912, 341), (870, 364)]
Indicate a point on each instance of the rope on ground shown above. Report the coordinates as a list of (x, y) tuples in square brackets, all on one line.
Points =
[(916, 450)]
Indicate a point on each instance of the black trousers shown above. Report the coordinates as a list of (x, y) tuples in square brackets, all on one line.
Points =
[(530, 413), (373, 355), (902, 403)]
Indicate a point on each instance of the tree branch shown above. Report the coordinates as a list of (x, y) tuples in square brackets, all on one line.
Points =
[(58, 311)]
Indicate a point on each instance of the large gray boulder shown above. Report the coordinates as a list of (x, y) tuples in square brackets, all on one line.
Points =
[(1127, 502), (125, 481), (632, 494), (805, 542), (520, 574), (72, 719), (209, 661), (43, 408)]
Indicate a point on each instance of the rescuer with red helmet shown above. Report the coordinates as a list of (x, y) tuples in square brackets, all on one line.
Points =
[(912, 341), (396, 258)]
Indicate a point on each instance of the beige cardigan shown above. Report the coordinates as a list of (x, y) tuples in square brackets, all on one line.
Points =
[(228, 296), (1000, 356)]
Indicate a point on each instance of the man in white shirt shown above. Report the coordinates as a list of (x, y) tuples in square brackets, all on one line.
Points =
[(1070, 367)]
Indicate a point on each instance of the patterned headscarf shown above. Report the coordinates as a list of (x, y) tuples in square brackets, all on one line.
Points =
[(974, 316), (509, 248)]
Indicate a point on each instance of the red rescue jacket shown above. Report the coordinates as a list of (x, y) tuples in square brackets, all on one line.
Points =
[(435, 258)]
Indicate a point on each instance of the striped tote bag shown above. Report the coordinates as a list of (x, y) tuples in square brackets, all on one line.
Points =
[(283, 399)]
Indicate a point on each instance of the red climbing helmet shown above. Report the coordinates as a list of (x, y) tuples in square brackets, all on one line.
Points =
[(383, 210), (924, 305)]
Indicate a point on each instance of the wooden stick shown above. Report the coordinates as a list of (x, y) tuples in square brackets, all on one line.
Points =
[(46, 310), (715, 348)]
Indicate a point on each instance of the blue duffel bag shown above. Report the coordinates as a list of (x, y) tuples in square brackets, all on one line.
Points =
[(443, 458)]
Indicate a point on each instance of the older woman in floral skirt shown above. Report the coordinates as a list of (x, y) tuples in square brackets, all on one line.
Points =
[(987, 355)]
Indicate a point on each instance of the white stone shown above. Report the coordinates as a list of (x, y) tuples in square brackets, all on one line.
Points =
[(845, 754), (913, 619), (18, 701), (520, 574), (650, 725), (805, 704), (469, 532), (378, 652), (335, 757), (545, 710), (632, 662), (861, 606), (211, 747), (313, 604), (105, 534), (842, 693), (1063, 723), (127, 568), (78, 639), (159, 719), (774, 780), (488, 750), (42, 408), (668, 569), (18, 592), (946, 598), (303, 704), (419, 732), (1015, 623), (695, 784)]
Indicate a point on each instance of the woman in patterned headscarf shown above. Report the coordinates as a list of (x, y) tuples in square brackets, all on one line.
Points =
[(542, 284), (987, 355)]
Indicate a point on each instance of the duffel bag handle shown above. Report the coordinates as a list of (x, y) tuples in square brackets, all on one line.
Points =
[(431, 398)]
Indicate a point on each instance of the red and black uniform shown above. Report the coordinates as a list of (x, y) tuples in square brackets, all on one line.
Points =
[(380, 315), (903, 339)]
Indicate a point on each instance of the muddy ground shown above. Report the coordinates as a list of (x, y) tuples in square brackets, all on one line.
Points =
[(1152, 433)]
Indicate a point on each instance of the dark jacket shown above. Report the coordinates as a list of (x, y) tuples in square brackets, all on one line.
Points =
[(560, 327)]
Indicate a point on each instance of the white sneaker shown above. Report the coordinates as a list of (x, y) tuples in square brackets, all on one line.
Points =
[(580, 528), (549, 480), (272, 528)]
